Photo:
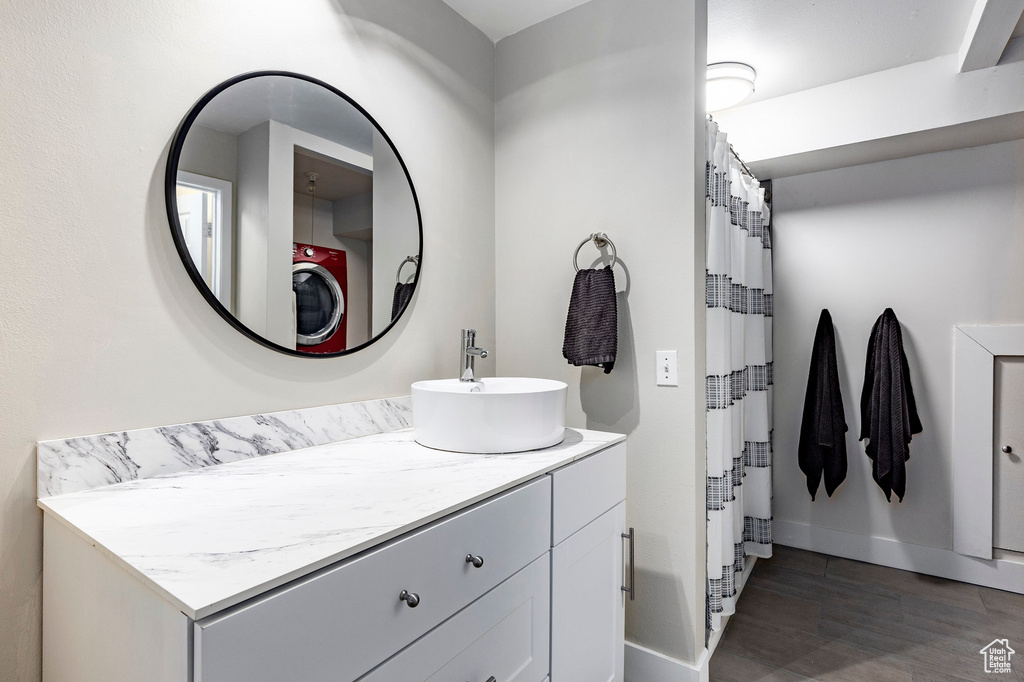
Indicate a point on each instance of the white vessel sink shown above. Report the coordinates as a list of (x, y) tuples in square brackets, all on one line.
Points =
[(490, 415)]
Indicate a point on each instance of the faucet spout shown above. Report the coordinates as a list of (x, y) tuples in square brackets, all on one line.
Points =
[(469, 353)]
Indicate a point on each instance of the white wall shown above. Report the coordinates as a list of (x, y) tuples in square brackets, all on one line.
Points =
[(253, 227), (211, 153), (358, 260), (395, 231), (111, 333), (937, 238), (354, 214), (598, 129)]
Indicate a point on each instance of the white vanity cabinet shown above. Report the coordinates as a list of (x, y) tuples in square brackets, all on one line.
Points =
[(340, 623), (523, 586)]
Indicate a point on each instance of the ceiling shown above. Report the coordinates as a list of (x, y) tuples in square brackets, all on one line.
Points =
[(501, 18), (294, 102), (792, 44), (336, 181), (799, 44)]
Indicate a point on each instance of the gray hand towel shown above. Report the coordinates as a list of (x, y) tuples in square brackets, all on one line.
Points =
[(591, 335)]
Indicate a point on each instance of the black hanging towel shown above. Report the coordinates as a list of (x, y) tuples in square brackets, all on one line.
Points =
[(888, 410), (401, 297), (591, 334), (822, 449)]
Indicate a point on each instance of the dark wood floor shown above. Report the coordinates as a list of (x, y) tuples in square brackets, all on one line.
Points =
[(809, 616)]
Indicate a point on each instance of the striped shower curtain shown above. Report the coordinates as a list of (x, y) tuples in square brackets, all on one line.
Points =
[(739, 374)]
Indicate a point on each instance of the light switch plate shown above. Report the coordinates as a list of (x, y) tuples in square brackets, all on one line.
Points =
[(667, 369)]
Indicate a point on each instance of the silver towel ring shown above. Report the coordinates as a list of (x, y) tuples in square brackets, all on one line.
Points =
[(415, 260), (600, 240)]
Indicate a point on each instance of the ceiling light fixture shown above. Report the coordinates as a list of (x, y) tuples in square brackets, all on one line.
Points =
[(729, 83)]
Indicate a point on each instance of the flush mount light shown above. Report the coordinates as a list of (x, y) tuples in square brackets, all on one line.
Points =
[(729, 83)]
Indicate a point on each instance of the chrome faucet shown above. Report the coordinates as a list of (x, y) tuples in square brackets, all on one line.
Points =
[(469, 354)]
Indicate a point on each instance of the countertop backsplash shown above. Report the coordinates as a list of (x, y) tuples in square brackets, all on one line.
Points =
[(86, 462)]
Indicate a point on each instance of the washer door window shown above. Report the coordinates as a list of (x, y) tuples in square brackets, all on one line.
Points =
[(319, 304)]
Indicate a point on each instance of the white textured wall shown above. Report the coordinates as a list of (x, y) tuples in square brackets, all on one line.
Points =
[(939, 239), (598, 129), (100, 327)]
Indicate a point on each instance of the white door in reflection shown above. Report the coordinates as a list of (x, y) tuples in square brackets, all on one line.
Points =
[(204, 209)]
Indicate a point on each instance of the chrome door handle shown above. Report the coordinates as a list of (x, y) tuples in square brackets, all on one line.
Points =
[(632, 584), (477, 562), (410, 598)]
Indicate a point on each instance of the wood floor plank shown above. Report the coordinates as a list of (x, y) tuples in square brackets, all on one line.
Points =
[(963, 623), (929, 675), (1009, 604), (897, 629), (760, 641), (868, 599), (797, 559), (831, 661), (962, 595), (780, 609), (854, 622), (912, 654), (728, 667), (808, 655)]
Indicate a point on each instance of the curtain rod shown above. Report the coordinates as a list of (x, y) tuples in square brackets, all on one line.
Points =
[(742, 165), (734, 154)]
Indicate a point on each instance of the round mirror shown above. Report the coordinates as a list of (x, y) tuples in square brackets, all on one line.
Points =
[(292, 212)]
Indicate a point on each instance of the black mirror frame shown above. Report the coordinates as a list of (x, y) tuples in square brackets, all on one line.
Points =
[(171, 200)]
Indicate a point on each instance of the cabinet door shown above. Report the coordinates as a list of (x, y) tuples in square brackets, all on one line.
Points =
[(1008, 470), (588, 603)]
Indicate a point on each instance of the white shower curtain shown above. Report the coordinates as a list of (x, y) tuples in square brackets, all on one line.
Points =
[(739, 374)]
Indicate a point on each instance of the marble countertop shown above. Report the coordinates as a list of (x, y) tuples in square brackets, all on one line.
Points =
[(209, 538)]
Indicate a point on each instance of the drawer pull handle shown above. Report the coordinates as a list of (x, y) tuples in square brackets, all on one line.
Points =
[(632, 584), (410, 598), (477, 562)]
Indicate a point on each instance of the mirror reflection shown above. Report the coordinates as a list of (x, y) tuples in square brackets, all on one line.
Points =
[(295, 214)]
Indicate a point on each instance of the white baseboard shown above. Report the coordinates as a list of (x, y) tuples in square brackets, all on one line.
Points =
[(644, 665), (1000, 573)]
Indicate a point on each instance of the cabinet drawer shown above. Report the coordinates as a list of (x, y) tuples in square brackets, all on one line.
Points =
[(504, 634), (339, 623), (585, 489)]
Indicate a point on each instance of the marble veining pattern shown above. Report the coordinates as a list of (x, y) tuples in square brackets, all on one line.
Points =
[(212, 537), (76, 464)]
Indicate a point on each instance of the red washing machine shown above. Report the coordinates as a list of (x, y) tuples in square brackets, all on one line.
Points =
[(320, 283)]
